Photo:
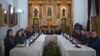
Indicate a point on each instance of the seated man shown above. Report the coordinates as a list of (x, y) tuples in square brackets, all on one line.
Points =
[(77, 34), (58, 31), (95, 43), (40, 30), (49, 31), (88, 36), (83, 38)]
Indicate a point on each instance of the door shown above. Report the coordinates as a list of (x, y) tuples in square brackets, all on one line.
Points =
[(35, 24), (63, 25)]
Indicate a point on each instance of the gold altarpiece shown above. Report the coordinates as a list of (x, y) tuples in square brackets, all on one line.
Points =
[(95, 23), (50, 12)]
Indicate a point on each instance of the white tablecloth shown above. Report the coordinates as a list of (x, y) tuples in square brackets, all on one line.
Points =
[(69, 49), (35, 49), (66, 48)]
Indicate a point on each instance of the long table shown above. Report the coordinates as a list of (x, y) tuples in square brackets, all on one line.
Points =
[(35, 49), (66, 48), (69, 49)]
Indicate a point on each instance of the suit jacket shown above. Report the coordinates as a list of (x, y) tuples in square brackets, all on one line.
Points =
[(58, 32), (8, 44), (83, 39), (49, 32), (95, 44), (19, 40)]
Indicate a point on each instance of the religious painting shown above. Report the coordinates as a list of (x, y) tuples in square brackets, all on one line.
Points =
[(0, 14), (15, 17), (5, 16), (12, 16)]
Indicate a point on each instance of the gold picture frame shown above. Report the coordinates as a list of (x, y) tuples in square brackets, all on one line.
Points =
[(1, 15), (13, 16), (10, 16), (5, 17)]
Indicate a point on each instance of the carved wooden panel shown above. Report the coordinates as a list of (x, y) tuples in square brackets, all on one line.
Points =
[(55, 10), (96, 24)]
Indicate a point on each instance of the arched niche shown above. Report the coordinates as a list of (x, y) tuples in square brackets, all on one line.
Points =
[(35, 11)]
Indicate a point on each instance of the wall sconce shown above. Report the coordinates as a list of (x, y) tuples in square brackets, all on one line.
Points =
[(5, 11), (20, 11)]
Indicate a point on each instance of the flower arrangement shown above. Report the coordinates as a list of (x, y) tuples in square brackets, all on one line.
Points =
[(51, 49)]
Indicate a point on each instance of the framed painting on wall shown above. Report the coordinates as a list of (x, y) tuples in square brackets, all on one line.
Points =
[(0, 14), (10, 16), (5, 17), (15, 17)]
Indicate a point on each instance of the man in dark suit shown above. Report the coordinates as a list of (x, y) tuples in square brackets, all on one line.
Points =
[(95, 43), (83, 38), (58, 31), (49, 31), (77, 25), (40, 31), (77, 33)]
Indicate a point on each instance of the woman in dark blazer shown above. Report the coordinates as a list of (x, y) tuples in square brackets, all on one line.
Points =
[(19, 39), (8, 42)]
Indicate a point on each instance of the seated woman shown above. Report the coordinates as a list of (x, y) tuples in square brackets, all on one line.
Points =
[(29, 32), (8, 42), (23, 33), (19, 39)]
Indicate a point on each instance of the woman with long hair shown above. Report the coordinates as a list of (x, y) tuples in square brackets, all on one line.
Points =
[(19, 39), (8, 42)]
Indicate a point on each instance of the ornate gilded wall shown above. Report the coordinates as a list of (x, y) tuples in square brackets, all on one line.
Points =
[(50, 12), (95, 21)]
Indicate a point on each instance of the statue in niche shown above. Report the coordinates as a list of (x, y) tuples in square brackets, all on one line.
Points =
[(35, 12), (49, 11), (63, 12)]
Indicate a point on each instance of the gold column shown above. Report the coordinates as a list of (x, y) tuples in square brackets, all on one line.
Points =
[(40, 15), (40, 10), (58, 11), (30, 15), (69, 11)]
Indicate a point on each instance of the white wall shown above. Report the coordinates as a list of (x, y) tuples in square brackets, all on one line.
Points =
[(23, 17), (80, 12), (23, 5), (93, 10), (3, 29)]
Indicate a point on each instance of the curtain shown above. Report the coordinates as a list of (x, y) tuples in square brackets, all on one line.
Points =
[(97, 7), (89, 12)]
